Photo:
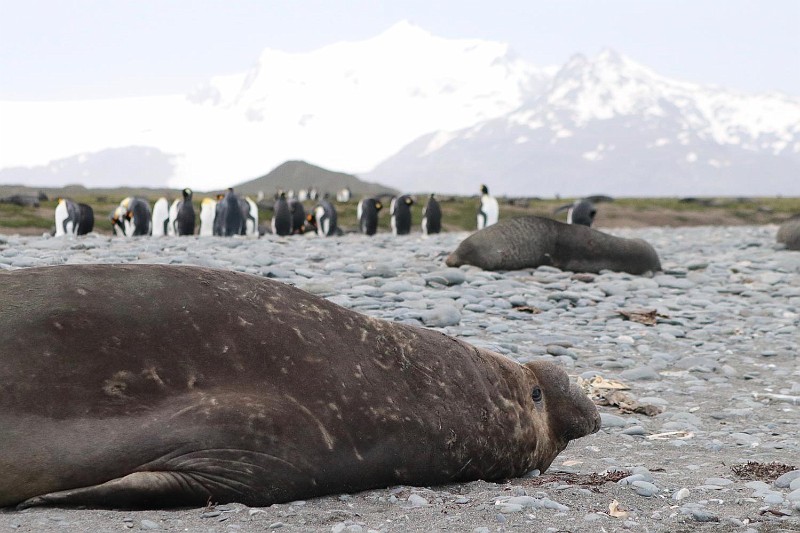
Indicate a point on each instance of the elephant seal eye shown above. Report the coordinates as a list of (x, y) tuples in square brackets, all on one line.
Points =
[(536, 394)]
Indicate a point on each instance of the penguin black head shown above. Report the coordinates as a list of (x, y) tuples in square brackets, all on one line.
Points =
[(378, 206), (187, 193), (408, 200), (484, 189)]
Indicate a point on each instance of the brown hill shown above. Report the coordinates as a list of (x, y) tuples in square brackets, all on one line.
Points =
[(295, 175)]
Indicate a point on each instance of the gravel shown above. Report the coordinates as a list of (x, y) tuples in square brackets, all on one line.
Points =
[(720, 363)]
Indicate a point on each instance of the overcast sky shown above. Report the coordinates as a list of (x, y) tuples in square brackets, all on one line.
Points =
[(77, 49)]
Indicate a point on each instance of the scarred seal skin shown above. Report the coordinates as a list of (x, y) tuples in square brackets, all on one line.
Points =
[(789, 233), (156, 386), (529, 242)]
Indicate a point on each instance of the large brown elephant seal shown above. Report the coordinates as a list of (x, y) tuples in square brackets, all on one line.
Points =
[(157, 386), (789, 233), (529, 242)]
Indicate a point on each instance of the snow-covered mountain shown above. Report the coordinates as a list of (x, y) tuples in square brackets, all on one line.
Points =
[(610, 125), (346, 106), (425, 114)]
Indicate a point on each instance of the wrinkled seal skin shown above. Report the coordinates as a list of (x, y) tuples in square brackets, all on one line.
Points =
[(529, 242), (157, 386), (789, 233)]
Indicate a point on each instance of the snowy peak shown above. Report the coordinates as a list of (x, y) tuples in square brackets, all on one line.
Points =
[(612, 86), (611, 116), (607, 86)]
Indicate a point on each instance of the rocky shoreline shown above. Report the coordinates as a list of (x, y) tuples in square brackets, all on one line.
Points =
[(707, 351)]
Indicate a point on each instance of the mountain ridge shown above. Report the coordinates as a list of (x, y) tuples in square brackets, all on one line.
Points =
[(415, 111)]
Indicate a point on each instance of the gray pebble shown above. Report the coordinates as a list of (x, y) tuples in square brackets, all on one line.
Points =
[(786, 479)]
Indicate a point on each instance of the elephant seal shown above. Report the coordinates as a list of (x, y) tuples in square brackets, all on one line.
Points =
[(789, 233), (529, 242), (143, 386)]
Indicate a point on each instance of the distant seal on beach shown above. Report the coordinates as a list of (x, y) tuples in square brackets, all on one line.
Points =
[(789, 233), (142, 386), (529, 242)]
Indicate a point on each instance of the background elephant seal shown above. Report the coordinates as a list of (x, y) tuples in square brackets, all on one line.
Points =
[(529, 242), (157, 386), (789, 233)]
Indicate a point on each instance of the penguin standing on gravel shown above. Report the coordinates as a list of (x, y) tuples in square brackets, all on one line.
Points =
[(208, 212), (184, 220), (161, 217), (67, 217), (489, 210), (431, 217), (367, 214), (400, 210), (250, 214), (298, 216), (581, 212), (324, 219), (85, 219), (282, 217), (132, 218), (228, 220)]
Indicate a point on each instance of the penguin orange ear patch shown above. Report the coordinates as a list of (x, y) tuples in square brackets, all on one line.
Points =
[(409, 201), (378, 205)]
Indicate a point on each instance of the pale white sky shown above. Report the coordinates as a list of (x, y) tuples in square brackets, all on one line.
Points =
[(82, 49)]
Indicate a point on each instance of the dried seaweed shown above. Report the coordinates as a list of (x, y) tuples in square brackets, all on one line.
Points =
[(528, 309), (761, 471), (648, 317)]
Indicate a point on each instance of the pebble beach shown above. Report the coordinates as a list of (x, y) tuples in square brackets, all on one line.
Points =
[(704, 437)]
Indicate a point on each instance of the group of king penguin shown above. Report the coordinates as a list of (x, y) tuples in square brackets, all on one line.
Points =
[(230, 214), (226, 215)]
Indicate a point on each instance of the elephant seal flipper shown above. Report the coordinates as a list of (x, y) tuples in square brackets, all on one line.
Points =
[(137, 490)]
